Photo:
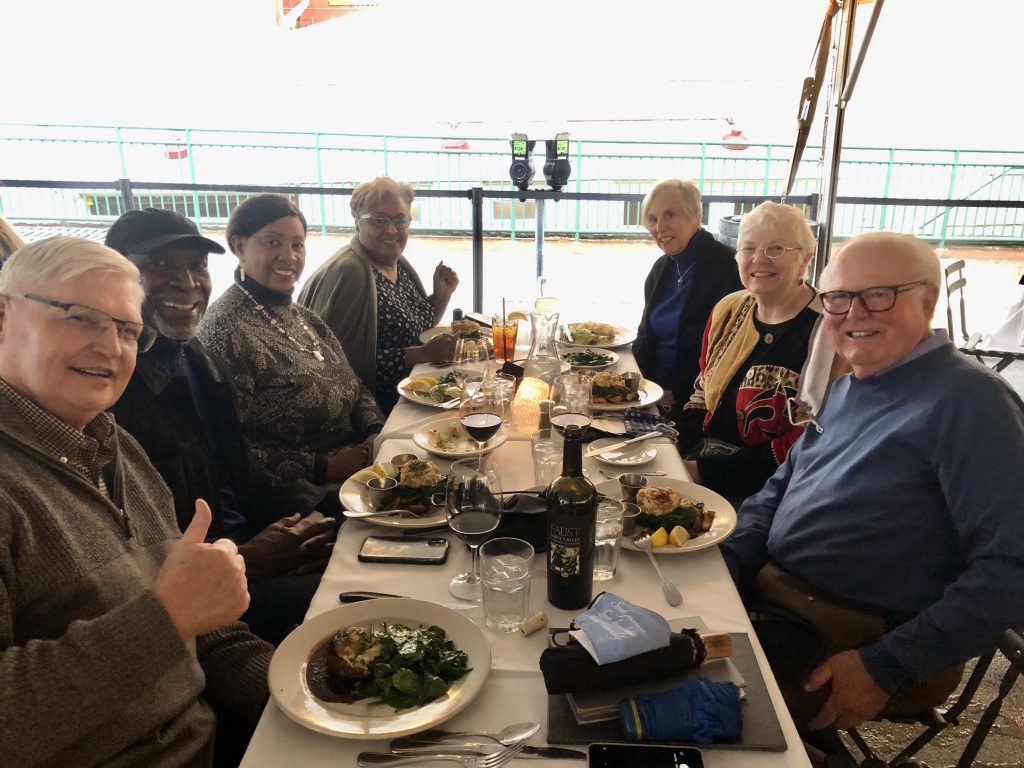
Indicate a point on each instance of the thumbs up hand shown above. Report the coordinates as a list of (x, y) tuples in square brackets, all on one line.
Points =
[(202, 585)]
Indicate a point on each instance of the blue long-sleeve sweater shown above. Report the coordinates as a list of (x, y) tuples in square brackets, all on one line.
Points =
[(912, 501)]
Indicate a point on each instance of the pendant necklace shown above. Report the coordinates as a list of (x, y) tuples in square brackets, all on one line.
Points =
[(314, 350), (683, 275)]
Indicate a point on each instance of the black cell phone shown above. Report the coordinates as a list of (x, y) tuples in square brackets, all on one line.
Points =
[(645, 755), (395, 549)]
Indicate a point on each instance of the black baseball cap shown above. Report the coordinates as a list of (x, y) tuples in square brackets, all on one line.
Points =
[(141, 231)]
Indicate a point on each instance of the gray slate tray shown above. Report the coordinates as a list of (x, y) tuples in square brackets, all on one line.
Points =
[(761, 728)]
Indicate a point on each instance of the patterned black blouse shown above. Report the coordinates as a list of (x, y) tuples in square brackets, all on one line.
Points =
[(295, 407), (403, 313)]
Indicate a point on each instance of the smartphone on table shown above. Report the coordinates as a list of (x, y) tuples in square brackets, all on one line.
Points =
[(601, 755), (396, 549)]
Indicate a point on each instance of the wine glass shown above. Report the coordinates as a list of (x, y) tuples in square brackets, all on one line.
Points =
[(481, 412), (473, 508), (471, 362), (572, 401)]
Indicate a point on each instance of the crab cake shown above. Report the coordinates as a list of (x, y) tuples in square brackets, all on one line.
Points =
[(658, 501)]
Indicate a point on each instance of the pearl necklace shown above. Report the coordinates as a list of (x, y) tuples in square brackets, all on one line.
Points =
[(314, 350)]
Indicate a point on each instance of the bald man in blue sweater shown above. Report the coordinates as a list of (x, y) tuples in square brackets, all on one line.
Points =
[(905, 506)]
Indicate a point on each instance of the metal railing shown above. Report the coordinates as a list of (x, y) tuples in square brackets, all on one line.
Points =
[(217, 164)]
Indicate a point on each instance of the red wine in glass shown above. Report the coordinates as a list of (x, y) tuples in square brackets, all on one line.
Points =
[(481, 426)]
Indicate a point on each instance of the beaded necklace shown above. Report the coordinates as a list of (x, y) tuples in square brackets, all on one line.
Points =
[(314, 350)]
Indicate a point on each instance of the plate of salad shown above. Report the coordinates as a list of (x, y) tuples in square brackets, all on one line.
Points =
[(589, 358)]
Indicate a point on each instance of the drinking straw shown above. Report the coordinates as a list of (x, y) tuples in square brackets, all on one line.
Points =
[(503, 322)]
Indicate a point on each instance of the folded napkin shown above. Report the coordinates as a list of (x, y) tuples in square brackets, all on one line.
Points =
[(525, 517), (571, 669), (640, 422), (699, 710), (613, 629)]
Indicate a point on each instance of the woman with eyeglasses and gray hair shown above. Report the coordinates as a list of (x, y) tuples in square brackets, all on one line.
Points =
[(739, 423), (372, 298)]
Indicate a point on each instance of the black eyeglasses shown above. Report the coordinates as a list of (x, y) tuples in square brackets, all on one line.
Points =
[(878, 298), (381, 221), (95, 322)]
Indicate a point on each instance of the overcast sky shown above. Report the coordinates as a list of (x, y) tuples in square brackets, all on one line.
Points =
[(939, 72)]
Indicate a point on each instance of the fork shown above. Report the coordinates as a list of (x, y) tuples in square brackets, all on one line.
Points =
[(492, 760), (642, 541)]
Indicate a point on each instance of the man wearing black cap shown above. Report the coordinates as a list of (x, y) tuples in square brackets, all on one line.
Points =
[(180, 406)]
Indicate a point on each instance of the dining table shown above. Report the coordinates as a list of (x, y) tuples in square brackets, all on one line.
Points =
[(514, 691)]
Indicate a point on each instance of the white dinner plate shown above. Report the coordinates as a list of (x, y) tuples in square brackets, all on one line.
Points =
[(650, 393), (722, 527), (351, 495), (426, 438), (430, 333), (413, 397), (613, 357), (631, 455), (623, 337), (360, 720)]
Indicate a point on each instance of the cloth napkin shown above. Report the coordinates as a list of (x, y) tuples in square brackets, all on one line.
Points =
[(640, 422), (699, 710), (525, 517), (613, 629)]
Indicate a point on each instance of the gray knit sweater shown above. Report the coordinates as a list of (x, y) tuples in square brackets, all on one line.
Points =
[(92, 670)]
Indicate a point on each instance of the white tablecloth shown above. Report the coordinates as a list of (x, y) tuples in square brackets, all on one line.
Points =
[(514, 691)]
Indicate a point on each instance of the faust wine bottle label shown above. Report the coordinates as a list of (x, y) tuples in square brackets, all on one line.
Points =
[(572, 515)]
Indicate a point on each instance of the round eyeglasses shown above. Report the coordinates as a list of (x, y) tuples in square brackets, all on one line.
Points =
[(878, 298), (380, 221)]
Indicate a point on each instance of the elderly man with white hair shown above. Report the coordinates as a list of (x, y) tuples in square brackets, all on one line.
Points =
[(889, 548), (118, 634)]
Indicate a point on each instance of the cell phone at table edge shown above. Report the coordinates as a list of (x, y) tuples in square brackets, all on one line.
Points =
[(646, 755), (396, 549)]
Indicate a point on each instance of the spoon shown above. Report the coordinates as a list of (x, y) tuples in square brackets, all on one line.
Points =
[(427, 741)]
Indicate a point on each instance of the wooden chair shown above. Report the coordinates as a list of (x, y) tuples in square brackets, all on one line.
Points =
[(936, 721), (969, 341)]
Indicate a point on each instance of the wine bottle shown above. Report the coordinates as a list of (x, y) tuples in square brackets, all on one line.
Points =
[(572, 518)]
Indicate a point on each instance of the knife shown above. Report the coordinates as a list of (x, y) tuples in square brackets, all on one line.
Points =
[(356, 596), (412, 746), (615, 446)]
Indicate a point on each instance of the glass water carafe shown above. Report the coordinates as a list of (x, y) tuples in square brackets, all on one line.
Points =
[(543, 362)]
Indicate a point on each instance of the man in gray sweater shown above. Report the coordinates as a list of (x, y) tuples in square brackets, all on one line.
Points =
[(118, 633)]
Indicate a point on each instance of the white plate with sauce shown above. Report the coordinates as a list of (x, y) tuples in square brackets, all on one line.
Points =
[(291, 690)]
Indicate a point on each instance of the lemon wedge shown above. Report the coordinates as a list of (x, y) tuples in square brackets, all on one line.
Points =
[(678, 536), (659, 538), (516, 316), (418, 386), (430, 381), (363, 475), (379, 470), (453, 391)]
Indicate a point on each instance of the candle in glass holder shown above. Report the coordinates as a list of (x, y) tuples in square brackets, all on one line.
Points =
[(526, 404)]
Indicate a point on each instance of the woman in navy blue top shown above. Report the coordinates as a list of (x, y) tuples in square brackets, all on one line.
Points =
[(681, 288)]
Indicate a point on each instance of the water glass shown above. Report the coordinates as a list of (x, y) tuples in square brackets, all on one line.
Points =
[(546, 445), (505, 383), (505, 569), (607, 538)]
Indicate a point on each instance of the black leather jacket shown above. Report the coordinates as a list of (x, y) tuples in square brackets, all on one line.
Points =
[(157, 409), (715, 276)]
